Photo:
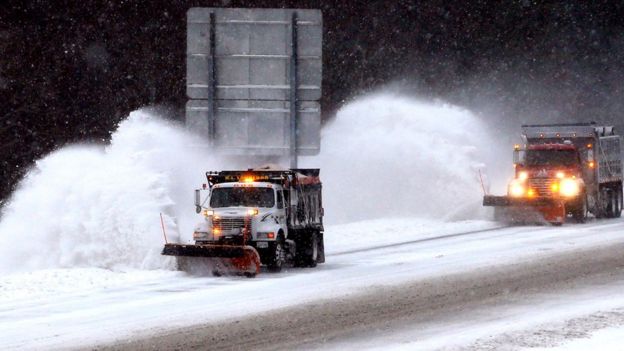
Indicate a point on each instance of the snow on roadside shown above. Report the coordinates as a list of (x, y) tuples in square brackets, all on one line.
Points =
[(44, 283), (608, 339), (338, 238)]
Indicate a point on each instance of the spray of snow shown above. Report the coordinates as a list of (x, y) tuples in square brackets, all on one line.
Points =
[(98, 206), (392, 156), (95, 206)]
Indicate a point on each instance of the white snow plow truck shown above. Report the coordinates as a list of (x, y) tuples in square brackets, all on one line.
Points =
[(258, 217)]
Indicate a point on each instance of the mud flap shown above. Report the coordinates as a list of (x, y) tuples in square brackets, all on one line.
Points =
[(227, 258)]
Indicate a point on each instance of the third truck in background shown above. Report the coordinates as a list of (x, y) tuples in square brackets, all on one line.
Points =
[(563, 170)]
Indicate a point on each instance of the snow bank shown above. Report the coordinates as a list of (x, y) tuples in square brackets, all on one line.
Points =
[(388, 155), (95, 206)]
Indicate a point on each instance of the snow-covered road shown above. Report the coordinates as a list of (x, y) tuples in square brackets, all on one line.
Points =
[(84, 307)]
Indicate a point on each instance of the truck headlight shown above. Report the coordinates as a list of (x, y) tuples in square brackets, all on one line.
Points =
[(569, 187), (516, 188), (208, 213)]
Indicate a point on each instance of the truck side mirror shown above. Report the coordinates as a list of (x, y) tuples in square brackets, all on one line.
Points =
[(590, 155), (518, 157), (197, 201)]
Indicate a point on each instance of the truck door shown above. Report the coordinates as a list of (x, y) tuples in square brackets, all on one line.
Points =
[(281, 211)]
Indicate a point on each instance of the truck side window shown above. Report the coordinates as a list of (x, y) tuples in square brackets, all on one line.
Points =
[(280, 201)]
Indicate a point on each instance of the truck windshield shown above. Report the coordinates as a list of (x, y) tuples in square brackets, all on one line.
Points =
[(243, 197), (551, 158)]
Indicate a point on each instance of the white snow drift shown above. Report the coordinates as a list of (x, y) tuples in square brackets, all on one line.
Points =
[(392, 156), (95, 206)]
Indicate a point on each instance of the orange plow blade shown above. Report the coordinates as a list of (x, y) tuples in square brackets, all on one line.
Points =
[(526, 211), (243, 259)]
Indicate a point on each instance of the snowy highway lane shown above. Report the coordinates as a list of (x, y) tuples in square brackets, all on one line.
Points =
[(361, 258)]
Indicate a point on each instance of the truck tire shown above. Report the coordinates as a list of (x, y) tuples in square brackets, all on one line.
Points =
[(618, 197), (276, 256), (321, 248), (611, 204), (598, 209), (604, 203), (307, 250), (579, 213)]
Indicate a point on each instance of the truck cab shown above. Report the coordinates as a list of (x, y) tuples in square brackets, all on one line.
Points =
[(552, 171), (250, 211), (247, 212), (258, 216)]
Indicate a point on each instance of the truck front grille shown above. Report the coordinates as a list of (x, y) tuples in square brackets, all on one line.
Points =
[(542, 186), (228, 223)]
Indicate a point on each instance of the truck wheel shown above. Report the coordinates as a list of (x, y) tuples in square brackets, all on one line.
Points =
[(603, 205), (321, 248), (611, 204), (579, 213), (277, 256), (618, 201), (307, 251)]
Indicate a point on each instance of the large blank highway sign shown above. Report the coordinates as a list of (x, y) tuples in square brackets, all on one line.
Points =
[(239, 79)]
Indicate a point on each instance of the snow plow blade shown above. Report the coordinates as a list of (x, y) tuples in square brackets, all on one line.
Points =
[(239, 258), (221, 251), (492, 200), (526, 210)]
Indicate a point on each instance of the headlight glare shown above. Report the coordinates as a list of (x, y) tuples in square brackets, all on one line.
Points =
[(516, 188), (569, 187)]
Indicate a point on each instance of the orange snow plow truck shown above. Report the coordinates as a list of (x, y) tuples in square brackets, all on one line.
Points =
[(257, 217), (563, 170)]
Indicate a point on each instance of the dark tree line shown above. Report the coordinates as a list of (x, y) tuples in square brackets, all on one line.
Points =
[(71, 71)]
